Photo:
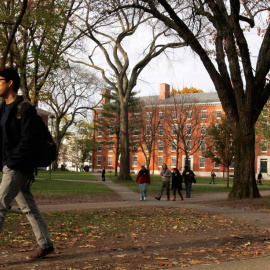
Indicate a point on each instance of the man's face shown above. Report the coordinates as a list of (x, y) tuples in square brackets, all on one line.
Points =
[(164, 166), (5, 87)]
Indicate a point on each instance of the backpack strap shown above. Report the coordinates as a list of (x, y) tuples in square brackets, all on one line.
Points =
[(19, 111)]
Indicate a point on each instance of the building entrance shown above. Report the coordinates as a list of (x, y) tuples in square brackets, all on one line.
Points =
[(263, 166)]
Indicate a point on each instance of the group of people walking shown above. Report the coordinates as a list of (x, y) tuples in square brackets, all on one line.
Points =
[(143, 178)]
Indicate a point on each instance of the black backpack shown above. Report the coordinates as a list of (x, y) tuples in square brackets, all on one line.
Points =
[(45, 147)]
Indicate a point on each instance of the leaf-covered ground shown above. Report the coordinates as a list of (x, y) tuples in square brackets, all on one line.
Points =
[(132, 238)]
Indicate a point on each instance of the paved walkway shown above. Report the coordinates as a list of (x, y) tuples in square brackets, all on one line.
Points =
[(131, 198)]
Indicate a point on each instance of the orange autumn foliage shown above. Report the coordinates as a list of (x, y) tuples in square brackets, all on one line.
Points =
[(186, 90)]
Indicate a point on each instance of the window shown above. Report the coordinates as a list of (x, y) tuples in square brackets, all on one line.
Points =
[(146, 147), (161, 130), (110, 160), (174, 144), (218, 114), (202, 146), (216, 165), (99, 133), (136, 131), (203, 114), (264, 146), (189, 114), (148, 130), (146, 159), (98, 160), (111, 131), (202, 162), (111, 119), (99, 117), (173, 161), (99, 146), (174, 115), (203, 129), (160, 161), (136, 116), (148, 116), (160, 146), (232, 165), (188, 145), (110, 148), (135, 147), (161, 115), (134, 161), (188, 129), (174, 130)]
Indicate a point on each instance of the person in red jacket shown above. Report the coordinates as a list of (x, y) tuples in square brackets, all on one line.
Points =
[(143, 178)]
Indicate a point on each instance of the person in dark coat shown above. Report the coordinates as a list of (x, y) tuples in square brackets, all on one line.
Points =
[(17, 134), (103, 174), (259, 181), (177, 183), (188, 176)]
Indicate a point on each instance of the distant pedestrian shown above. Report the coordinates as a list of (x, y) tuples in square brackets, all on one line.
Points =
[(259, 179), (212, 177), (188, 176), (103, 174), (177, 181), (165, 175), (143, 178)]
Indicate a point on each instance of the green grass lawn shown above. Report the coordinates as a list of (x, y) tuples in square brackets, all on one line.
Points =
[(202, 185), (55, 187), (66, 175)]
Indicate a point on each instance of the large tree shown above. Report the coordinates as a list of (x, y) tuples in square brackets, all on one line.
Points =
[(111, 32), (34, 37), (239, 76)]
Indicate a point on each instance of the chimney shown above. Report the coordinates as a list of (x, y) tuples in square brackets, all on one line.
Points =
[(164, 90), (105, 100)]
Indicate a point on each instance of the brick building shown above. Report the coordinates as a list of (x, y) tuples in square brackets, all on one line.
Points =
[(168, 114)]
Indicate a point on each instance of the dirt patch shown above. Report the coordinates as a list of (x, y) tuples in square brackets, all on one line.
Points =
[(133, 238), (256, 205), (71, 198)]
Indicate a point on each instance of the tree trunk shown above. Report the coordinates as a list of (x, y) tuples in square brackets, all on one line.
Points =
[(124, 142), (117, 154), (228, 176), (244, 183)]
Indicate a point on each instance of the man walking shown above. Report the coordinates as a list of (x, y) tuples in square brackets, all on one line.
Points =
[(165, 175), (17, 137)]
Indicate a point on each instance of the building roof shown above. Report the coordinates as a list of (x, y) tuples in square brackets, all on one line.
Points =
[(199, 98), (42, 112)]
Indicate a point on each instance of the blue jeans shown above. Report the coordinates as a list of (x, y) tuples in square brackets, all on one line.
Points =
[(188, 189), (14, 185), (143, 188)]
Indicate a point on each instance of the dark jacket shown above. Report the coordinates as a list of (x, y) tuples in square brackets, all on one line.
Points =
[(20, 136), (177, 180), (188, 175)]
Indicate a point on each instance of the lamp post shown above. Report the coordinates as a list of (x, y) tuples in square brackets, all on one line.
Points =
[(51, 118)]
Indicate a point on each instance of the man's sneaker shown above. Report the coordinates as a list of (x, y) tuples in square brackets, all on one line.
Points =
[(41, 253), (141, 199), (157, 198), (144, 198)]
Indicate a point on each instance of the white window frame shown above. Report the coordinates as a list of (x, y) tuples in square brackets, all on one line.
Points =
[(218, 112), (148, 130), (111, 132), (202, 114), (110, 160), (145, 162), (99, 132), (135, 147), (160, 146), (98, 160), (135, 131), (203, 129), (99, 146), (216, 165), (148, 116), (202, 162), (173, 161), (188, 142), (203, 142), (188, 128), (189, 115), (146, 148), (134, 161), (161, 116), (110, 147), (174, 115), (232, 166), (174, 146), (136, 116), (174, 129), (160, 161), (264, 146), (161, 130)]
